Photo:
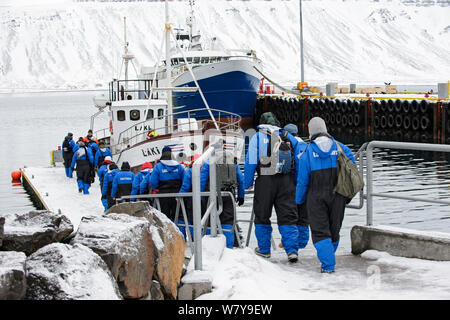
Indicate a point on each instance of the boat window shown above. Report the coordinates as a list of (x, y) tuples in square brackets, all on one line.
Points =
[(205, 60), (150, 114), (196, 59), (160, 112), (219, 59), (120, 115), (212, 59), (189, 59), (135, 115)]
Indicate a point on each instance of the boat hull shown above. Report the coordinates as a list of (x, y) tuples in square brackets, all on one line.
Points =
[(231, 86), (183, 144)]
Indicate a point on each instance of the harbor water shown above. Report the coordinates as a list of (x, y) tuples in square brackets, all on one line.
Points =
[(35, 123)]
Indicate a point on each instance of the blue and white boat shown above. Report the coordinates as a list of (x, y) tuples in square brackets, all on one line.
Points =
[(228, 78)]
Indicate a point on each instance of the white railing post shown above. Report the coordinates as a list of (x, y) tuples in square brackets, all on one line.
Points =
[(213, 192), (197, 208)]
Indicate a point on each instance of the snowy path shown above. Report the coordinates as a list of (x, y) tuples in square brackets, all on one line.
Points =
[(240, 274), (60, 192)]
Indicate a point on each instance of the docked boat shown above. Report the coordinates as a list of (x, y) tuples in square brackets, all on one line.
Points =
[(142, 118), (228, 78)]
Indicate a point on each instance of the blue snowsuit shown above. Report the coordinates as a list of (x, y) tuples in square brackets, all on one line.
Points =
[(138, 178), (67, 151), (227, 216), (122, 184), (302, 223), (100, 155), (186, 186), (276, 190), (316, 180), (83, 160), (107, 200), (167, 177)]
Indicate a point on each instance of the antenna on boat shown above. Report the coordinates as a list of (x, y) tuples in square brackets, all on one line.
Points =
[(167, 32), (190, 20), (127, 57)]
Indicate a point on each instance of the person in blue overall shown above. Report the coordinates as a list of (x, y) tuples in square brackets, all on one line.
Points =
[(167, 177), (83, 160), (67, 152), (317, 178), (146, 170), (186, 186), (274, 187), (235, 182), (302, 223), (101, 174), (101, 154), (107, 200), (123, 182)]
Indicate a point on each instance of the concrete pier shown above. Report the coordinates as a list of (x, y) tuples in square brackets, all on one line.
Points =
[(401, 242)]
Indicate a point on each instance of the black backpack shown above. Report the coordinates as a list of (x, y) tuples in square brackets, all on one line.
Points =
[(226, 171)]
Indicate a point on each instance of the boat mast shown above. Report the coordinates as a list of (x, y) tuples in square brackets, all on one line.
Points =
[(302, 65)]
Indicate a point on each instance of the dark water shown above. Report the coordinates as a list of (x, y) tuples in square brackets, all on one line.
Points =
[(34, 124)]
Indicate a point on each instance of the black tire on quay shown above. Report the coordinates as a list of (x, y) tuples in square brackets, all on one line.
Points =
[(414, 106), (390, 105), (391, 121), (398, 120)]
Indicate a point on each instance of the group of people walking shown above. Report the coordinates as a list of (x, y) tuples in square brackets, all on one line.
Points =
[(293, 177), (297, 179)]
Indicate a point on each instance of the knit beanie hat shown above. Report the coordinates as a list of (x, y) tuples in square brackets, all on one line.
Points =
[(269, 118), (146, 165), (292, 129), (125, 166), (316, 126)]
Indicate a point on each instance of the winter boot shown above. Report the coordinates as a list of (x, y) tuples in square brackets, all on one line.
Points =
[(293, 257), (264, 255)]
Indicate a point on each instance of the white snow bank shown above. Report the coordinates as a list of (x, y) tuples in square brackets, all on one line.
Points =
[(241, 274)]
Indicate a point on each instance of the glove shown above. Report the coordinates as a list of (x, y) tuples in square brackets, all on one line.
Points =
[(240, 201)]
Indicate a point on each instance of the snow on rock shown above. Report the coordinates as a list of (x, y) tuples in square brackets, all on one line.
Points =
[(65, 272), (27, 232), (125, 244), (169, 247), (168, 241), (12, 275)]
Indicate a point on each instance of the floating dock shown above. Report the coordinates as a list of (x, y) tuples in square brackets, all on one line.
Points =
[(50, 189)]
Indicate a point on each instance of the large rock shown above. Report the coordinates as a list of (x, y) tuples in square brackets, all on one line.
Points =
[(27, 232), (65, 272), (135, 209), (13, 284), (169, 244), (125, 244), (2, 224), (170, 248)]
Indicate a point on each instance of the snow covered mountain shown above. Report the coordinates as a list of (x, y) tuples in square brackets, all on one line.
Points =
[(78, 44)]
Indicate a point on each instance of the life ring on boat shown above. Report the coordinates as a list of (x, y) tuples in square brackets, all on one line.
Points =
[(111, 127)]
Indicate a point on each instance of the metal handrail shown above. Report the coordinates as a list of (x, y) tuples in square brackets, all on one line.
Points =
[(395, 145)]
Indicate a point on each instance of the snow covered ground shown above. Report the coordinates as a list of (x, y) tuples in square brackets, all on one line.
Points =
[(240, 274), (74, 45)]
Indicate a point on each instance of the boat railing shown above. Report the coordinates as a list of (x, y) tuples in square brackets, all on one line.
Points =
[(120, 90), (139, 132)]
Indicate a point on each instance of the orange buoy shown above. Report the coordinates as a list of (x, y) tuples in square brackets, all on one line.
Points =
[(16, 175)]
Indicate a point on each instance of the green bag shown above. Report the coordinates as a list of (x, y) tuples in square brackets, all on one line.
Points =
[(349, 181)]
